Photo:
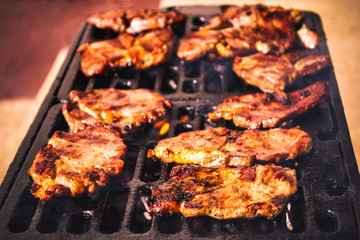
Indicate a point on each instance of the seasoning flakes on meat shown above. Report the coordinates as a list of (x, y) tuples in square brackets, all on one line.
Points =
[(76, 162), (216, 147), (224, 193), (143, 51), (260, 110), (130, 111)]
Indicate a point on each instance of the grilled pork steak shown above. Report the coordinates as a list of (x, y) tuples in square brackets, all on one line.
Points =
[(223, 193), (242, 29), (143, 51), (274, 26), (218, 147), (113, 20), (273, 74), (226, 42), (130, 111), (135, 21), (259, 110), (72, 163)]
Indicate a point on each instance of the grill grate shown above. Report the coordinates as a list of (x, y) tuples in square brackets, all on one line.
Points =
[(326, 205)]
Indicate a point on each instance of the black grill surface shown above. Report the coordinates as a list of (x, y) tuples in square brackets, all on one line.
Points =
[(325, 207)]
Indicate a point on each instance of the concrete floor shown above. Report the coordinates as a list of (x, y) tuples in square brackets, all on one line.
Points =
[(36, 34)]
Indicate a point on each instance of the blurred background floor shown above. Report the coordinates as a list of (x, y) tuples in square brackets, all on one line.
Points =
[(36, 35)]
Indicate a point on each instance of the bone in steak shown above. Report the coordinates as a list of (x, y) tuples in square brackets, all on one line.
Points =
[(130, 111), (260, 110), (273, 74), (135, 21), (224, 193), (75, 162), (143, 51), (217, 147)]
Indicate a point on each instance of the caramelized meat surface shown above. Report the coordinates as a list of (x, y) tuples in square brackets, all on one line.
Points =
[(226, 42), (247, 28), (218, 147), (142, 52), (130, 111), (259, 110), (96, 57), (72, 163), (273, 74), (114, 20), (273, 25), (135, 21), (224, 193)]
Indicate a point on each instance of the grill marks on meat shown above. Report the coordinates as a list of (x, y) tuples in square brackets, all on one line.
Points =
[(134, 22), (143, 51), (72, 163), (224, 193), (273, 74), (247, 28), (255, 111), (130, 111), (218, 147)]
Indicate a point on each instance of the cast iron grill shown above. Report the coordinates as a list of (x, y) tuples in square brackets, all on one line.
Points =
[(326, 205)]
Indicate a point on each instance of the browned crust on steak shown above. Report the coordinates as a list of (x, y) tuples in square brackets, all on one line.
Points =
[(135, 21), (255, 111), (226, 42), (113, 20), (72, 163), (130, 111), (143, 51), (269, 73), (247, 28), (272, 74), (217, 147), (311, 64), (223, 193)]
